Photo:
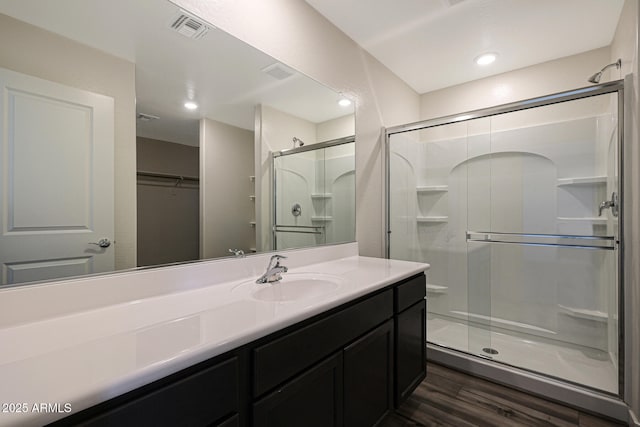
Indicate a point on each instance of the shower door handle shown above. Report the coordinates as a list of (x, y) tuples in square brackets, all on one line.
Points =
[(610, 204)]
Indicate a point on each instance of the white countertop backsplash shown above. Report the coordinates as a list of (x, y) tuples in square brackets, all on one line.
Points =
[(84, 341)]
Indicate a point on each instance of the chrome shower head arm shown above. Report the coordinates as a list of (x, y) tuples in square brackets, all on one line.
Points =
[(596, 77)]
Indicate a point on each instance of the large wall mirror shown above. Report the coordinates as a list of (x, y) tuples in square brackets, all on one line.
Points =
[(135, 134)]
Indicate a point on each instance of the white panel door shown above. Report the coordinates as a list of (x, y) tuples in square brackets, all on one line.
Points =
[(56, 180)]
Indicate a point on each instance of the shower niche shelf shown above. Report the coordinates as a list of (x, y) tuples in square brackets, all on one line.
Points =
[(432, 219), (583, 313), (321, 218), (585, 180), (436, 290), (432, 189), (592, 220), (321, 195)]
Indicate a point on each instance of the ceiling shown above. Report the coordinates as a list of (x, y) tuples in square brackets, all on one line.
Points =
[(431, 44), (222, 74)]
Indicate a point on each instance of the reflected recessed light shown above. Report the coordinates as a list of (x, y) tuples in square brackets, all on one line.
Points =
[(344, 102), (486, 58), (190, 105)]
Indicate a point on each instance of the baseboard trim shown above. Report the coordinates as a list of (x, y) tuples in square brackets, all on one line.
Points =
[(548, 388)]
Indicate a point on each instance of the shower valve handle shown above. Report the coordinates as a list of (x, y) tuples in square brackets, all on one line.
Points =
[(609, 204)]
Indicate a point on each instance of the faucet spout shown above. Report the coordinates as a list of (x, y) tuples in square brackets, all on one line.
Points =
[(274, 270)]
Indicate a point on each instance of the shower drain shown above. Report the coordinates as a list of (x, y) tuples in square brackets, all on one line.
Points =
[(490, 350)]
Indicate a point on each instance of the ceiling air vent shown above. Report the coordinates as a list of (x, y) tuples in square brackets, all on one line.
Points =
[(278, 71), (189, 26)]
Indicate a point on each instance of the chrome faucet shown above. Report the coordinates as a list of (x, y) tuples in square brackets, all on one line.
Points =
[(238, 253), (274, 270)]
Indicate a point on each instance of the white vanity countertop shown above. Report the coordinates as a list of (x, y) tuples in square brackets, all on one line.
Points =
[(88, 356)]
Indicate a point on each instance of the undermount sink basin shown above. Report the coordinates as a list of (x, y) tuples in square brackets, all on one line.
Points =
[(293, 287)]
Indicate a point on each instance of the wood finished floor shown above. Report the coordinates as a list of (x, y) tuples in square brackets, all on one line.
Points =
[(451, 398)]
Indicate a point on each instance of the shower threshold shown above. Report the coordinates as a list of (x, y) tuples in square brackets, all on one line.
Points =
[(581, 365)]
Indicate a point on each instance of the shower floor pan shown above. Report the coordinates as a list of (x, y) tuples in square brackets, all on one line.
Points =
[(582, 365)]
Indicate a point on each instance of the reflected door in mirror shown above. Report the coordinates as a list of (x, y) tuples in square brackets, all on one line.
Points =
[(57, 180)]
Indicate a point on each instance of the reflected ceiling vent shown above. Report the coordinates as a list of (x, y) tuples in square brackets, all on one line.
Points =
[(278, 71), (146, 117), (189, 26)]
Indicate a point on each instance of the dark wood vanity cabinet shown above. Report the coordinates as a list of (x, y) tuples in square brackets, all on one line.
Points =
[(313, 398), (346, 367), (208, 396), (410, 337)]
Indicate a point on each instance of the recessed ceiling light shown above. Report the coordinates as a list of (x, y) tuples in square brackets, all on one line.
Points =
[(344, 102), (190, 105), (486, 58)]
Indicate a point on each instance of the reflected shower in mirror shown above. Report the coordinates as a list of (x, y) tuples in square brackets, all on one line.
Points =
[(314, 194), (135, 146)]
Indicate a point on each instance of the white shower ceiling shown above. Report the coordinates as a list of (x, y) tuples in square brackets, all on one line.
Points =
[(431, 44)]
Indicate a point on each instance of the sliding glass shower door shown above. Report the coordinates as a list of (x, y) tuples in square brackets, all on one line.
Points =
[(517, 211), (314, 195)]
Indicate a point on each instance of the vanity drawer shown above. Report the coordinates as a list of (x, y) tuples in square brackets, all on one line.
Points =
[(200, 399), (288, 355), (410, 292)]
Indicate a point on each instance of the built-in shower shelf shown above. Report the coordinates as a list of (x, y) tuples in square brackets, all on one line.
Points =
[(252, 250), (434, 219), (252, 178), (321, 195), (252, 197), (585, 180), (594, 220), (252, 223), (583, 313), (436, 289), (321, 218), (432, 188)]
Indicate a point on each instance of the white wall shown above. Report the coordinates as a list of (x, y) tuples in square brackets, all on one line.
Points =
[(625, 45), (295, 34), (549, 77), (336, 128), (226, 162), (33, 51)]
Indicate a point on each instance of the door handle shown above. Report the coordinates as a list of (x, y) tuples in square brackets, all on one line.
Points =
[(103, 243), (610, 204)]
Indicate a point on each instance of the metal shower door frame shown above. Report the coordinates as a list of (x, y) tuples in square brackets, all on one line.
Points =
[(556, 98)]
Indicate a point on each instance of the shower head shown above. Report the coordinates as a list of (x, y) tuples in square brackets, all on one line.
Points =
[(596, 77), (299, 141)]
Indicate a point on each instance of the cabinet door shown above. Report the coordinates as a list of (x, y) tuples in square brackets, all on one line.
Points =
[(313, 399), (368, 377), (411, 356)]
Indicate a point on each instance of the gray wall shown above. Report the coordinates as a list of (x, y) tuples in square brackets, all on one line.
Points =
[(226, 156), (168, 218)]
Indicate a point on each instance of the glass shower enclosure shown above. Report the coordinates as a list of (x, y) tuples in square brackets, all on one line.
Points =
[(518, 210), (314, 194)]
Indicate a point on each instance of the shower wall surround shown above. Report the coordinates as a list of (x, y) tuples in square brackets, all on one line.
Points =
[(535, 172)]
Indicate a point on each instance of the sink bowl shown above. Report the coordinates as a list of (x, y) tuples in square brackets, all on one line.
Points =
[(294, 287)]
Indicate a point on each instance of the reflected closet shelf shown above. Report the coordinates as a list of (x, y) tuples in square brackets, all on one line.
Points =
[(435, 219)]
